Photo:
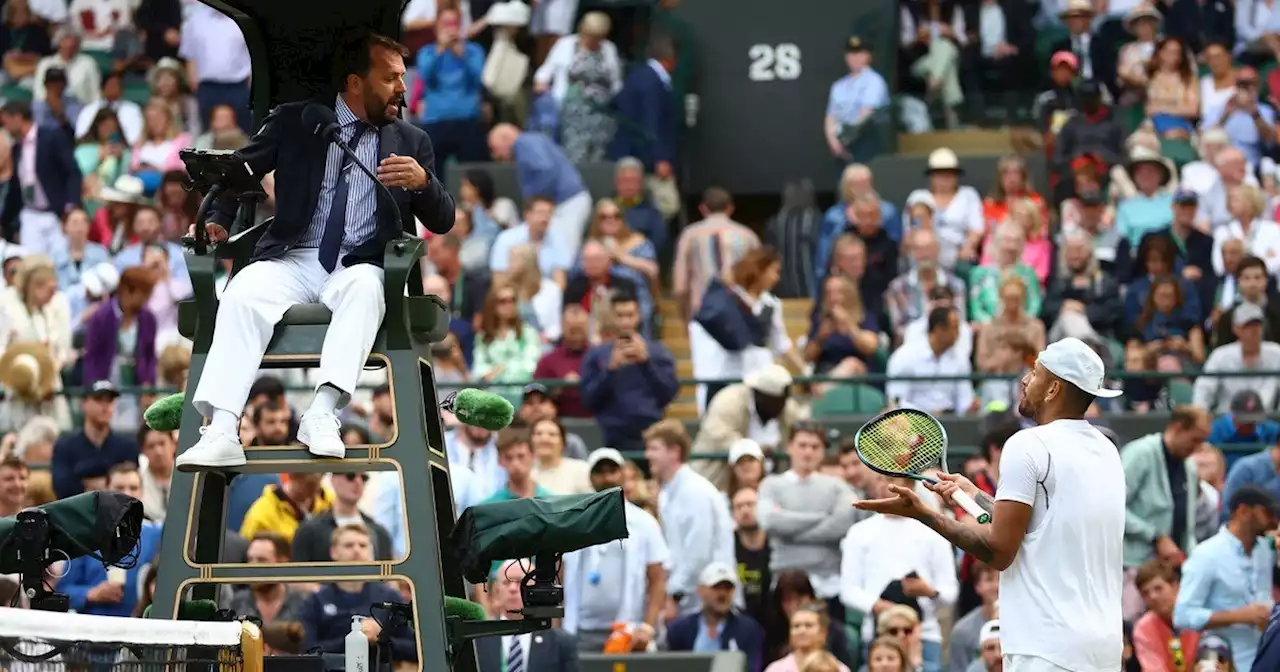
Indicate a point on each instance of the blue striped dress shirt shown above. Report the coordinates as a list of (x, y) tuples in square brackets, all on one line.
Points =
[(362, 197)]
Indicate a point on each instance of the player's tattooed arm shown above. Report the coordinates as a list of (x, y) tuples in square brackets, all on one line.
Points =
[(972, 538), (986, 502)]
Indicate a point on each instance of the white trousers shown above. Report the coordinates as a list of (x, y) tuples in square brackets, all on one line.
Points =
[(40, 232), (569, 220), (1021, 663), (255, 300)]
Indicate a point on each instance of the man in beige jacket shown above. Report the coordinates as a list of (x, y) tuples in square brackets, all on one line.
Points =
[(758, 408)]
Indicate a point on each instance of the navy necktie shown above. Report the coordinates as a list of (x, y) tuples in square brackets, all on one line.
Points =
[(335, 227)]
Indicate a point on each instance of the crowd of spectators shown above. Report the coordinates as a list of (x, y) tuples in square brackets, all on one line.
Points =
[(1154, 241)]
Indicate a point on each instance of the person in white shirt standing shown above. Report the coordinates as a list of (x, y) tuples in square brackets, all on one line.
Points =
[(624, 582), (883, 549), (806, 514), (695, 517), (936, 355), (1057, 528)]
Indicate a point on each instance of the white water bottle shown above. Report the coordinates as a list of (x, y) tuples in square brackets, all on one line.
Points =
[(357, 647)]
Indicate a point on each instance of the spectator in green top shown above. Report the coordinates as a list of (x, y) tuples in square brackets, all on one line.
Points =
[(984, 283)]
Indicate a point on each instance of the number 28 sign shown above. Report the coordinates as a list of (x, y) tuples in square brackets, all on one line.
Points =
[(770, 62)]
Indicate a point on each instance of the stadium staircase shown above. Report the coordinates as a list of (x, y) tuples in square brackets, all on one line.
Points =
[(675, 335)]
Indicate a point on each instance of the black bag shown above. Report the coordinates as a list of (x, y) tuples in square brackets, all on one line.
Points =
[(726, 318)]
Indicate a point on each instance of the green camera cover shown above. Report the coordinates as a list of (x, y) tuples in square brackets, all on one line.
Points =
[(525, 528)]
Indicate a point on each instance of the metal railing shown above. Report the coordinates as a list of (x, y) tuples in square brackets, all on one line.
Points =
[(867, 379)]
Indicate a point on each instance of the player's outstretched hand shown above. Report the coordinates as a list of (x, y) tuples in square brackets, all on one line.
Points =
[(904, 502), (949, 484)]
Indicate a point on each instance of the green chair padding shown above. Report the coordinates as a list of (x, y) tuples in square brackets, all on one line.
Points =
[(137, 92), (846, 399), (1181, 391), (106, 62), (1181, 152), (16, 92), (1045, 41)]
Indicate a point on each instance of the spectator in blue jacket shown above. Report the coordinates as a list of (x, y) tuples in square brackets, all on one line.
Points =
[(718, 627), (1261, 469), (1247, 423), (95, 445), (544, 171), (628, 381), (326, 615), (92, 587), (648, 118), (449, 71)]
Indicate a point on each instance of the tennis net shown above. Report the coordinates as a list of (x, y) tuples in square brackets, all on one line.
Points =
[(41, 641)]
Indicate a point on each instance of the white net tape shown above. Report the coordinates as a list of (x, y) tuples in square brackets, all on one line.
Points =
[(51, 627), (41, 641)]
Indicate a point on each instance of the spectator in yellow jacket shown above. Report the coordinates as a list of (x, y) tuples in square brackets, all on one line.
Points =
[(282, 508)]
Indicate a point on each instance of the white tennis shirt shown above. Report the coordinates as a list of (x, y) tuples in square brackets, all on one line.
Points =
[(1060, 599)]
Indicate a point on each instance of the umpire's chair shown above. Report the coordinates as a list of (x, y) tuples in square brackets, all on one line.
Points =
[(290, 54)]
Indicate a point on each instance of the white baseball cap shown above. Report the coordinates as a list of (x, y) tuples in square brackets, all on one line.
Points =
[(1072, 360), (717, 573), (745, 448), (990, 630), (604, 455)]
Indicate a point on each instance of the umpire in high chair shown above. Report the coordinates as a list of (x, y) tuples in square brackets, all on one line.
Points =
[(325, 244)]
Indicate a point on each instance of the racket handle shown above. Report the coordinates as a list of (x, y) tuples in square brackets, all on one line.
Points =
[(971, 507)]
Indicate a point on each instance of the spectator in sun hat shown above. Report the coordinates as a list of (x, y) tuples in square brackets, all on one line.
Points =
[(1245, 423), (761, 408), (1054, 106), (1150, 208), (28, 373), (1096, 59)]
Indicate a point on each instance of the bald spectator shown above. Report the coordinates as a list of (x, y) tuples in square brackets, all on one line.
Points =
[(708, 249), (597, 276), (907, 297), (544, 171)]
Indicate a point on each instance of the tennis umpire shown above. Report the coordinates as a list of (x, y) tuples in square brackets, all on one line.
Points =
[(1057, 522)]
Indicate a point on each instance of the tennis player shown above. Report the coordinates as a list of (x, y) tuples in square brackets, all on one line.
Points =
[(1057, 523)]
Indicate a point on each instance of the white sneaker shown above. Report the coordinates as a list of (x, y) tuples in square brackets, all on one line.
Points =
[(319, 433), (214, 450)]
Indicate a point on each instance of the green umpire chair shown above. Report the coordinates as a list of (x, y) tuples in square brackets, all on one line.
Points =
[(290, 54)]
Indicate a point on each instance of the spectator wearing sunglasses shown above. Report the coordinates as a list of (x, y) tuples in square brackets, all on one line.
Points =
[(311, 542)]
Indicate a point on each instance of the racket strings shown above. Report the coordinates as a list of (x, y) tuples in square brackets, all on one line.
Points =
[(903, 443)]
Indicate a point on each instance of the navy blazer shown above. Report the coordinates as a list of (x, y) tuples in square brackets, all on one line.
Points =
[(646, 102), (549, 651), (741, 629), (56, 169), (298, 156)]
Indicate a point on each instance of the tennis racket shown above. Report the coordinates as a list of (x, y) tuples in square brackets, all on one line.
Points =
[(905, 442)]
